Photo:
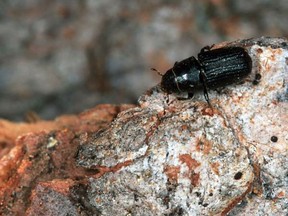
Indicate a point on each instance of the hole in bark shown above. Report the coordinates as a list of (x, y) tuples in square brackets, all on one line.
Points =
[(257, 79), (238, 175), (274, 138)]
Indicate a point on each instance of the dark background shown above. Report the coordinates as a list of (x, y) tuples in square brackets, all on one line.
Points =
[(65, 56)]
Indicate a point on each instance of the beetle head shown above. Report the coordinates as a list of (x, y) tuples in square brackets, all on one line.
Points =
[(183, 77)]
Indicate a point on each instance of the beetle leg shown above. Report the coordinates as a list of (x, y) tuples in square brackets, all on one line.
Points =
[(207, 97), (206, 48), (203, 78)]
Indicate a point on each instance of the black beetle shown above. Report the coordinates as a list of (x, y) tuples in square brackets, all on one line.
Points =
[(213, 69)]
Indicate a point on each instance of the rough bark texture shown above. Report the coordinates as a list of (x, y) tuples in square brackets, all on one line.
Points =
[(164, 157)]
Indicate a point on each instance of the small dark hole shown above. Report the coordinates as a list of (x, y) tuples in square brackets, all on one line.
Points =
[(258, 76), (255, 82), (205, 204), (274, 138), (259, 50), (257, 79), (210, 194), (198, 194), (238, 175)]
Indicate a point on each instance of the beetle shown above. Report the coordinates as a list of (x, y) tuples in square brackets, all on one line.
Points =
[(213, 68)]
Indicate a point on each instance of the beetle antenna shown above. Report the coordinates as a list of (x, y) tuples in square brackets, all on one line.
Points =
[(158, 72)]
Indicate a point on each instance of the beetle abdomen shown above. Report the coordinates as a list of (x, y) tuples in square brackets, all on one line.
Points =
[(225, 66)]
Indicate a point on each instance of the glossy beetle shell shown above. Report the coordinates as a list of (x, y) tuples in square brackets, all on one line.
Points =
[(214, 68), (183, 76), (225, 66)]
